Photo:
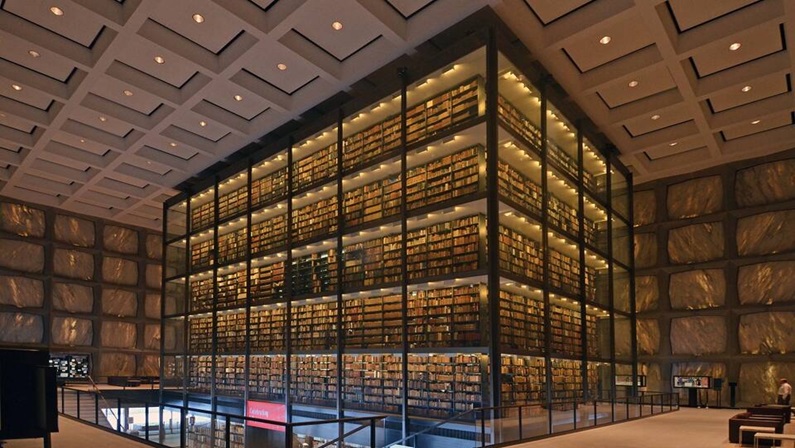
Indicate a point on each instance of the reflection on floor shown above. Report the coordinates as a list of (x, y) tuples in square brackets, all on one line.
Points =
[(702, 428), (78, 435)]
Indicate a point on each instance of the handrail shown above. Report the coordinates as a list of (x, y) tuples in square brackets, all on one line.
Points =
[(348, 434), (431, 428), (99, 392)]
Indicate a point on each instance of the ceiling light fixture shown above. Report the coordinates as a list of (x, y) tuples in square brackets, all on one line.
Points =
[(281, 67), (198, 18), (605, 40), (735, 46), (34, 53), (238, 98), (160, 60), (673, 143), (655, 117), (127, 93), (756, 121), (633, 83), (202, 123), (56, 10), (336, 25), (102, 119), (16, 87), (172, 144), (746, 89)]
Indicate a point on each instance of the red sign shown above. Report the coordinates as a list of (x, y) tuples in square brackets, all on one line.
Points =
[(266, 411)]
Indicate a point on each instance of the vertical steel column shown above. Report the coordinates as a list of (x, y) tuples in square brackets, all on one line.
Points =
[(581, 243), (214, 343), (247, 346), (545, 246), (631, 274), (404, 290), (340, 267), (493, 217), (610, 287), (288, 287)]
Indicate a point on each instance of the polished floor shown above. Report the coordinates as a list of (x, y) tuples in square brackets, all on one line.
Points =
[(688, 427), (78, 435)]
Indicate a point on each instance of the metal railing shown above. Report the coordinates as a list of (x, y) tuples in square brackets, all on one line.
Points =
[(167, 425), (494, 426)]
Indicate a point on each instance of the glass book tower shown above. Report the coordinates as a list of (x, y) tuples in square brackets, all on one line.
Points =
[(453, 242)]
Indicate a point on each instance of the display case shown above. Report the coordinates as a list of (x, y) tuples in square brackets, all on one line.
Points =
[(452, 237)]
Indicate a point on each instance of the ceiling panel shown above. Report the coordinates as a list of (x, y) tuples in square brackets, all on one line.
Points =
[(756, 126), (236, 100), (740, 95), (14, 122), (217, 28), (660, 119), (101, 121), (24, 93), (358, 27), (687, 16), (673, 148), (75, 23), (35, 57), (264, 4), (282, 68), (755, 43), (140, 54), (649, 82), (548, 11), (626, 36), (128, 96)]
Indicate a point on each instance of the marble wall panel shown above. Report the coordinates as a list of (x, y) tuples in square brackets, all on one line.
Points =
[(766, 333), (766, 233), (698, 335), (698, 289), (695, 197), (696, 243), (21, 256), (766, 183), (766, 283), (21, 292)]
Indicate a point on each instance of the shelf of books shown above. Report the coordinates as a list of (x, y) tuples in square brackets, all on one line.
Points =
[(356, 262)]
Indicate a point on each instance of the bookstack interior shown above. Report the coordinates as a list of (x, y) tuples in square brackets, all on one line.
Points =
[(356, 261)]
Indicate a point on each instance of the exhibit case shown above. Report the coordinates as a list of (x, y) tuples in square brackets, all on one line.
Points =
[(449, 242)]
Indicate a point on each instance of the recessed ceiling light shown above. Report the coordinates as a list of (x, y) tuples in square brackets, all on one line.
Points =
[(202, 123), (127, 93), (173, 145), (756, 121), (34, 53), (281, 67), (16, 87), (746, 89), (56, 10), (735, 46), (605, 40), (160, 60), (673, 143), (198, 18), (336, 25), (655, 117), (82, 140), (238, 98), (103, 119), (633, 83)]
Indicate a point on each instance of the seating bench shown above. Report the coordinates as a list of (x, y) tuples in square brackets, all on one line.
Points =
[(758, 437)]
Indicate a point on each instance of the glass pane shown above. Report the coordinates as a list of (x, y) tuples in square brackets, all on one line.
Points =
[(233, 196), (314, 380), (519, 107), (315, 161), (620, 192), (445, 99), (562, 143), (594, 170), (622, 246), (595, 224), (177, 220), (176, 259), (202, 210), (175, 297), (372, 135), (603, 346), (623, 337), (521, 325), (523, 379), (173, 335), (373, 382), (266, 377), (269, 181), (621, 289)]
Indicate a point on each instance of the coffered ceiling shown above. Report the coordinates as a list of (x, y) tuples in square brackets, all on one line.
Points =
[(107, 105)]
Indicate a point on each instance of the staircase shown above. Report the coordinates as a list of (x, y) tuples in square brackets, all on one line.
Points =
[(87, 406)]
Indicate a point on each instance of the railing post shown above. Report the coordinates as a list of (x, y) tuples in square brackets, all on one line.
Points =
[(626, 400), (118, 415), (520, 423), (288, 436), (63, 396), (146, 420), (595, 411), (641, 405), (182, 433), (482, 429), (96, 409), (78, 404), (574, 414), (228, 431), (372, 433)]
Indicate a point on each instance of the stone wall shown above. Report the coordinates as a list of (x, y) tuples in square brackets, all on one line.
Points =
[(73, 284), (715, 277)]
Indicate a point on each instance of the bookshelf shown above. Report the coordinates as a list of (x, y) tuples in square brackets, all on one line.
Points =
[(421, 244)]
